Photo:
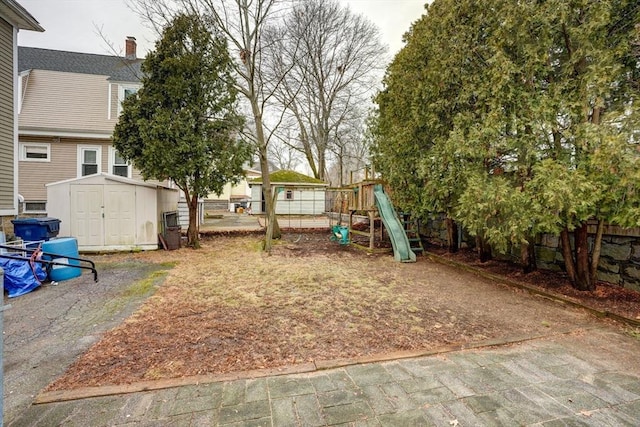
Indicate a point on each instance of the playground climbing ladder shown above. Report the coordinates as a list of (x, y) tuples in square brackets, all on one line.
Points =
[(411, 228)]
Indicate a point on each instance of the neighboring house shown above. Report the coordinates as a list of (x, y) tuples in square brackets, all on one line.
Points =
[(68, 106), (239, 195), (233, 196), (298, 194), (13, 18)]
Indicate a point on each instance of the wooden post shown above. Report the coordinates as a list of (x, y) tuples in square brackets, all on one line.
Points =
[(350, 225), (372, 230)]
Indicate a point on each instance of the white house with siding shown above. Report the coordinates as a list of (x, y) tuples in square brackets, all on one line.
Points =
[(68, 107), (232, 196), (13, 18)]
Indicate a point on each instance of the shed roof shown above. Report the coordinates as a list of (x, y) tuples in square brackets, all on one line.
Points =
[(116, 67), (108, 177)]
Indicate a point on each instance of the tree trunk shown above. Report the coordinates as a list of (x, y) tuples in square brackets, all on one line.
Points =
[(528, 256), (322, 165), (567, 255), (595, 256), (272, 223), (193, 239), (484, 249), (583, 277), (452, 235), (273, 230), (341, 166)]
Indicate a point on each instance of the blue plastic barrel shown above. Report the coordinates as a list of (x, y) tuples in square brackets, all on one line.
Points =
[(62, 248)]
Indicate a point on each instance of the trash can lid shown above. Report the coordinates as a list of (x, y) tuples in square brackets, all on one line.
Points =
[(34, 220), (24, 221), (48, 219)]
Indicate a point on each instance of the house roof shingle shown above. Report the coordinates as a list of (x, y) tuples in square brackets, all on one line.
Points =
[(116, 67)]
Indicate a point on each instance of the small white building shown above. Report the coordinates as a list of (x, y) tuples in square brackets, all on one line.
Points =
[(232, 196), (109, 212), (298, 194)]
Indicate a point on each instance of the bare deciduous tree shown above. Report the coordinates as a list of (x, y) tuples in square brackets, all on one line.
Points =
[(326, 62), (349, 153), (243, 23), (283, 154)]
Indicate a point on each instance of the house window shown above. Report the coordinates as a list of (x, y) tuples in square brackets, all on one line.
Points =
[(288, 195), (128, 92), (118, 165), (124, 92), (35, 152), (35, 206), (89, 159)]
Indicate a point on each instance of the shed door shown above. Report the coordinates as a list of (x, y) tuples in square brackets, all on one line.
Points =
[(119, 215), (87, 223)]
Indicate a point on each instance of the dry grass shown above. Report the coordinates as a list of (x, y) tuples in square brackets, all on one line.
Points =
[(230, 307)]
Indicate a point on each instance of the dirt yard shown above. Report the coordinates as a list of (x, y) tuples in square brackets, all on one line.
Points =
[(229, 307)]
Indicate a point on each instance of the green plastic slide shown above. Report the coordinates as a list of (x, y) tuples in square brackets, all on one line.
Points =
[(401, 248)]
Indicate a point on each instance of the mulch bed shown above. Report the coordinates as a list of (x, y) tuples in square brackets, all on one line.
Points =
[(607, 297)]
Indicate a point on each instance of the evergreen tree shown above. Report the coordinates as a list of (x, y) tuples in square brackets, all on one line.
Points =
[(521, 118), (182, 124)]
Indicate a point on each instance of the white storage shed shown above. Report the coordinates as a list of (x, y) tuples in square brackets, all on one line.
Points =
[(298, 194), (109, 212)]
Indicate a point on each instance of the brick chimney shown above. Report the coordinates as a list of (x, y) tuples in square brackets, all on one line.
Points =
[(130, 48)]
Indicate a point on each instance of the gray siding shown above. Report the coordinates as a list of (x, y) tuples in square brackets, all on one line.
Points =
[(6, 117)]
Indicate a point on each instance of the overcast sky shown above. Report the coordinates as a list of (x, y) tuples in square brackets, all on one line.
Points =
[(72, 24)]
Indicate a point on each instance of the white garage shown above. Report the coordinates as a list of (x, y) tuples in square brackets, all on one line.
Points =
[(298, 194), (108, 212)]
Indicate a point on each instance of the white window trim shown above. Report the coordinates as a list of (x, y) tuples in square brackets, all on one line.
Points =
[(23, 151), (112, 161), (80, 157), (109, 101), (34, 201), (121, 89), (22, 88)]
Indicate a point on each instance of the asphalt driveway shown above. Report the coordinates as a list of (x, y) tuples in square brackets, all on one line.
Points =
[(45, 330)]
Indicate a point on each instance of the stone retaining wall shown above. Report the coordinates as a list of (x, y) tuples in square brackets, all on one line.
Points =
[(619, 258)]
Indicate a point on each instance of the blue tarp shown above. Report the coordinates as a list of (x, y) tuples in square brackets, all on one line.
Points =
[(19, 276)]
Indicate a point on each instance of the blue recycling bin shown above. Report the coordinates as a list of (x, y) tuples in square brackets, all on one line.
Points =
[(36, 229)]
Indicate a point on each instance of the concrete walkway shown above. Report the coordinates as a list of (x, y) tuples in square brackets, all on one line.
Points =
[(588, 378), (227, 221)]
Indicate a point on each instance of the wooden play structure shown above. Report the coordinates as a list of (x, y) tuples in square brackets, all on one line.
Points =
[(361, 201), (369, 199)]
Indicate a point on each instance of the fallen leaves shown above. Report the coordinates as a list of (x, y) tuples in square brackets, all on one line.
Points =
[(227, 308)]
